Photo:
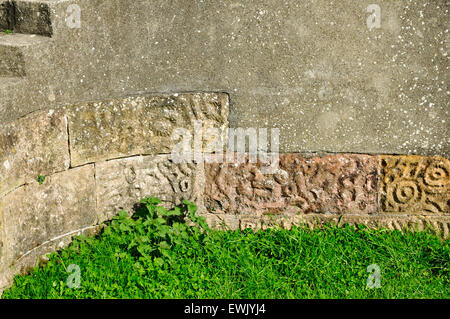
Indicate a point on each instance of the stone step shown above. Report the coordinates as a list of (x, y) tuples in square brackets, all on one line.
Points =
[(30, 17), (14, 49)]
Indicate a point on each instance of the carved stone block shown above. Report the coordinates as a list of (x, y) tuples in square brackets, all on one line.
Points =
[(415, 185), (440, 224), (123, 183), (39, 253), (140, 125), (338, 184)]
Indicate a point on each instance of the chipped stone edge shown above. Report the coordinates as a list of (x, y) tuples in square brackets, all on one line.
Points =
[(439, 224), (33, 257)]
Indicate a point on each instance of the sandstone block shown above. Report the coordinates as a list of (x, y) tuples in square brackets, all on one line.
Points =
[(222, 221), (36, 144), (414, 185), (338, 184), (122, 183), (34, 256), (440, 224), (140, 125), (35, 214)]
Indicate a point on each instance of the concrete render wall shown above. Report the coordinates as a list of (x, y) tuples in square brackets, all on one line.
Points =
[(96, 163), (322, 71)]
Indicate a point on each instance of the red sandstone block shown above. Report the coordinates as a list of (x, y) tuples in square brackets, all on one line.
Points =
[(339, 184)]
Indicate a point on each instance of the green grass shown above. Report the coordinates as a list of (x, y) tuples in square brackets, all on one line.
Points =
[(156, 255)]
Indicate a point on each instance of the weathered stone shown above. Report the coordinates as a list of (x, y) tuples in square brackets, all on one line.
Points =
[(440, 224), (6, 15), (38, 254), (420, 223), (14, 55), (140, 125), (32, 17), (123, 183), (26, 17), (35, 214), (337, 184), (414, 185), (222, 221), (32, 146), (12, 63)]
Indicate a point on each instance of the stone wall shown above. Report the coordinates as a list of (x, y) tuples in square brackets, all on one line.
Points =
[(394, 192), (102, 157), (98, 158), (313, 68), (348, 98)]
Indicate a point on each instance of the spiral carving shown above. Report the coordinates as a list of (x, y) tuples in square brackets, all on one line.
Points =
[(415, 185), (437, 174), (404, 192)]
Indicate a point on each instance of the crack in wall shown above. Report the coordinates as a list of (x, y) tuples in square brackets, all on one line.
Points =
[(68, 140)]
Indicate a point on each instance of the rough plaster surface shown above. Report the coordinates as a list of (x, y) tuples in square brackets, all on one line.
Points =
[(31, 146), (19, 53), (314, 69)]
